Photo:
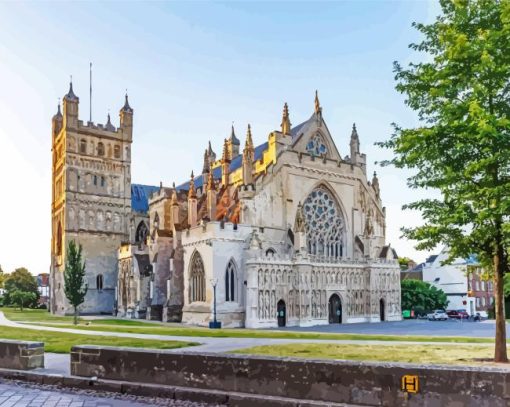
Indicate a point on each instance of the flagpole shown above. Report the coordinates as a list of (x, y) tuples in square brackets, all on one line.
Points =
[(90, 92)]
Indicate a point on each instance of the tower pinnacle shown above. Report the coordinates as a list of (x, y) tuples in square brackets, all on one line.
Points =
[(285, 120)]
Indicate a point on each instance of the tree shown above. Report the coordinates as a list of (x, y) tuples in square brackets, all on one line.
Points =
[(21, 298), (2, 277), (422, 296), (461, 147), (21, 280), (404, 262), (75, 287)]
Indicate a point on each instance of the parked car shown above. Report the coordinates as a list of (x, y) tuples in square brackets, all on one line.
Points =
[(438, 315), (457, 314)]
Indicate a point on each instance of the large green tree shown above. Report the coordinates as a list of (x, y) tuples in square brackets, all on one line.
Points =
[(21, 280), (2, 277), (460, 88), (422, 296), (75, 287)]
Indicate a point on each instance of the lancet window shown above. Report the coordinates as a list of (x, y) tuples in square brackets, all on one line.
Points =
[(230, 282), (197, 279), (324, 224)]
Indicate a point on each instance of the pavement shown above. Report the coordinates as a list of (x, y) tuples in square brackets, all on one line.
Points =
[(16, 394)]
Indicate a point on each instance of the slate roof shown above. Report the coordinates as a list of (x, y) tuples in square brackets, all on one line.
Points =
[(140, 197), (140, 193)]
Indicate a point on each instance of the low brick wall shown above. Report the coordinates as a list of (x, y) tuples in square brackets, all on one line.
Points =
[(369, 384), (21, 355)]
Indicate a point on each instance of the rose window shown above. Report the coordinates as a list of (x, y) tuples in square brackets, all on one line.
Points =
[(324, 224)]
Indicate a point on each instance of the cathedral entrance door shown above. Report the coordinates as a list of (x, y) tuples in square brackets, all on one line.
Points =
[(335, 309), (381, 309), (281, 309)]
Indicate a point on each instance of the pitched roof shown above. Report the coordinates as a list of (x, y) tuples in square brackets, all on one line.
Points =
[(140, 197)]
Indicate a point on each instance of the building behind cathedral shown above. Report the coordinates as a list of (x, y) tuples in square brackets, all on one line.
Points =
[(289, 232)]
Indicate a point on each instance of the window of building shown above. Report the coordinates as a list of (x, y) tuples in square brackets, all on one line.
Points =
[(83, 146), (99, 281), (100, 149), (316, 146), (196, 279), (324, 224), (59, 239), (230, 282), (116, 151), (95, 179), (102, 181), (141, 232), (270, 252)]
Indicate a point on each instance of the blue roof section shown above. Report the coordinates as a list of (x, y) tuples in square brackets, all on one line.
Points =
[(294, 131), (140, 197), (234, 165)]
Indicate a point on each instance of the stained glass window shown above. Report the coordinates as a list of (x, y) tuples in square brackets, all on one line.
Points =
[(316, 146), (324, 224), (230, 282)]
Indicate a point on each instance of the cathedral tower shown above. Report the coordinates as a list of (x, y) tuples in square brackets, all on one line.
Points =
[(91, 200)]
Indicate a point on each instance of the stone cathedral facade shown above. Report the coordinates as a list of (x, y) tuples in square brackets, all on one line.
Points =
[(289, 232)]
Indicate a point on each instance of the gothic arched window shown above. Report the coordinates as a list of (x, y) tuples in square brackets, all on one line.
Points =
[(196, 279), (141, 232), (100, 149), (230, 282), (316, 146), (324, 224), (116, 151), (83, 146)]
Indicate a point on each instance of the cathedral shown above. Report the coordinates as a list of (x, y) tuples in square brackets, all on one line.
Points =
[(286, 233)]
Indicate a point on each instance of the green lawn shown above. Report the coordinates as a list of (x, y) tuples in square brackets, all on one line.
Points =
[(426, 354), (59, 342), (109, 324)]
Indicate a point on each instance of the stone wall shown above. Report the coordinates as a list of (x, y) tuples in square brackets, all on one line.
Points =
[(21, 355), (368, 384)]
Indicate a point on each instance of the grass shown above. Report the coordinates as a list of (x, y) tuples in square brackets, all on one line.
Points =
[(424, 354), (143, 327), (60, 342)]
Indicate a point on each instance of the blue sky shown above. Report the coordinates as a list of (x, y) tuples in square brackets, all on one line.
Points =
[(191, 69)]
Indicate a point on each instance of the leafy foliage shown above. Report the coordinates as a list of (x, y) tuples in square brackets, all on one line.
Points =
[(461, 93), (2, 277), (75, 287), (404, 262), (422, 296), (20, 280), (21, 298)]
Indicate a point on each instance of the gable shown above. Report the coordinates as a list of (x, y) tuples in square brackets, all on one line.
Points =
[(313, 137)]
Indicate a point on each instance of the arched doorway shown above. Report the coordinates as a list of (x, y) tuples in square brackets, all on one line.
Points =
[(282, 313), (381, 310), (335, 309)]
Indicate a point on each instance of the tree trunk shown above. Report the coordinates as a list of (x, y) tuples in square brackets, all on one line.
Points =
[(75, 315), (500, 353)]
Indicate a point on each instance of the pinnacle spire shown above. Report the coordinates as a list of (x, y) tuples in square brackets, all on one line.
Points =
[(70, 95), (249, 141), (109, 126), (58, 115), (206, 162), (354, 131), (226, 155), (318, 108), (233, 139), (126, 107), (210, 180), (285, 120), (192, 193)]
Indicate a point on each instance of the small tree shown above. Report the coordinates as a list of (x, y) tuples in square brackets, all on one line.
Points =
[(22, 298), (75, 287), (422, 296), (21, 280)]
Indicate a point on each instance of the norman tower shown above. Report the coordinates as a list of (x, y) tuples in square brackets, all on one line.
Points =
[(91, 200)]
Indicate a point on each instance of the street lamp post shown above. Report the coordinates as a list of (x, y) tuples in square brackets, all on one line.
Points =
[(215, 324)]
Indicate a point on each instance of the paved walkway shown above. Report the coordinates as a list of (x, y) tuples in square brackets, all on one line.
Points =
[(211, 344), (14, 394)]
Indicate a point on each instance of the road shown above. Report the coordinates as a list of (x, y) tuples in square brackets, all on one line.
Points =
[(485, 329)]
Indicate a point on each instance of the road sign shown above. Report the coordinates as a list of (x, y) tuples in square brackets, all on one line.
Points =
[(410, 384)]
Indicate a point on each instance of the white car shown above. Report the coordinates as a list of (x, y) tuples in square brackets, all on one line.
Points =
[(438, 315)]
